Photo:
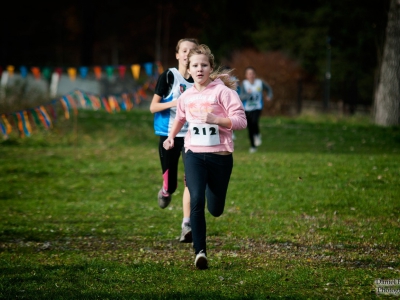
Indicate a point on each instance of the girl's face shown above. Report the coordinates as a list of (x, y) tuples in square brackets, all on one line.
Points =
[(250, 75), (183, 52), (200, 69)]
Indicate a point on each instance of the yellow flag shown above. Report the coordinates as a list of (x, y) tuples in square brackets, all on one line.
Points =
[(72, 73), (10, 70), (135, 71)]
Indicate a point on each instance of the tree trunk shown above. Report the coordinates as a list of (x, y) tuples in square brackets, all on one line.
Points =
[(387, 98)]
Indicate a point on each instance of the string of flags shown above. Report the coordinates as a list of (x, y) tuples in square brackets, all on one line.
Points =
[(46, 72), (43, 116), (25, 121)]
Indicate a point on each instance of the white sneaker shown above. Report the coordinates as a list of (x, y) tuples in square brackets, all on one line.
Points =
[(253, 149), (201, 261), (257, 140)]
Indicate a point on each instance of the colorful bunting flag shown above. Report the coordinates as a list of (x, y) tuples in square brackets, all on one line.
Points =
[(58, 71), (110, 71), (83, 71), (46, 72), (106, 104), (7, 124), (24, 71), (10, 70), (148, 67), (121, 71), (135, 71), (3, 131), (66, 106), (72, 73), (97, 72), (44, 117), (72, 103), (36, 72)]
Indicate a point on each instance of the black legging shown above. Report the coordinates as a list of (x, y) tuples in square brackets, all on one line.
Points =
[(207, 178), (169, 162), (253, 118)]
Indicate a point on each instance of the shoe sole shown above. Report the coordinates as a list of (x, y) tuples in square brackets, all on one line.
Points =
[(187, 238), (202, 263)]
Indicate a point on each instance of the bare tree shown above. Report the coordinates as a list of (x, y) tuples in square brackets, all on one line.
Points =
[(387, 97)]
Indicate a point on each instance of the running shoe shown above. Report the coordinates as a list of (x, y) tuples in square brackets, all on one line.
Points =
[(201, 261), (164, 199), (257, 140), (186, 235)]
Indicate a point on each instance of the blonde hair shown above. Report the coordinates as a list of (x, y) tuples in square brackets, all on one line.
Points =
[(221, 73), (192, 40)]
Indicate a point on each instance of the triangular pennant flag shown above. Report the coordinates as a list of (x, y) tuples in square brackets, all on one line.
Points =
[(8, 126), (3, 131), (111, 102), (121, 71), (10, 70), (97, 72), (65, 106), (35, 117), (135, 71), (106, 104), (24, 71), (109, 71), (58, 71), (36, 72), (95, 102), (41, 117), (148, 68), (20, 125), (73, 104), (72, 73), (27, 124), (83, 71), (127, 101), (46, 73), (46, 117)]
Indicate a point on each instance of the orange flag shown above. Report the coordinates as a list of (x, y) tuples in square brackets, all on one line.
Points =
[(97, 72), (36, 72)]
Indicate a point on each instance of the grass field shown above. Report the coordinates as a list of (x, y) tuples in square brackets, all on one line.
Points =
[(314, 214)]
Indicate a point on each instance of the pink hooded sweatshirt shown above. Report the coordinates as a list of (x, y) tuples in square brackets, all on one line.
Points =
[(219, 100)]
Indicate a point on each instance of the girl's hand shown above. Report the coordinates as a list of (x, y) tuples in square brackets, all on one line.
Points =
[(168, 143), (209, 118)]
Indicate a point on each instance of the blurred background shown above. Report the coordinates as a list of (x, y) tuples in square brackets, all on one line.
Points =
[(322, 55)]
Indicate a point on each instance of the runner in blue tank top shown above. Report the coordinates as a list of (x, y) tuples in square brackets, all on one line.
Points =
[(252, 94), (170, 85)]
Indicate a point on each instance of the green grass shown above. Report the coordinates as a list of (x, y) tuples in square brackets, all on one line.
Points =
[(314, 214)]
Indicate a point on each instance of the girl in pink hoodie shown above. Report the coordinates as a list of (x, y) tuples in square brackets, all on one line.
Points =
[(213, 110)]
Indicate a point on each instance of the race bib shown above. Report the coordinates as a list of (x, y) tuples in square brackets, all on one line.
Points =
[(204, 134)]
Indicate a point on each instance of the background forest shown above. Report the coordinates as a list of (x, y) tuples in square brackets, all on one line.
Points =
[(313, 41)]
